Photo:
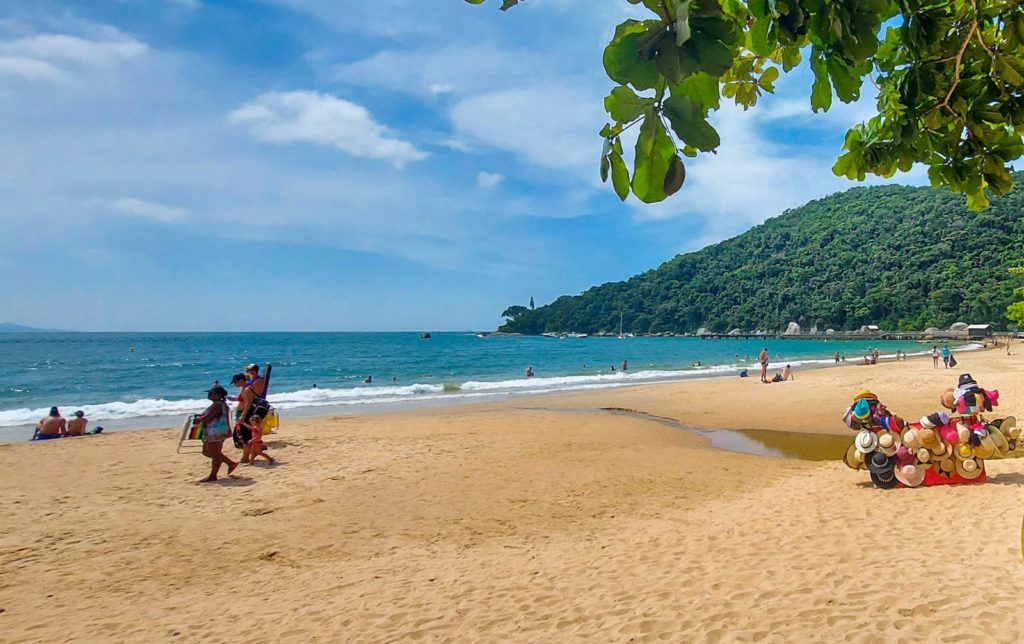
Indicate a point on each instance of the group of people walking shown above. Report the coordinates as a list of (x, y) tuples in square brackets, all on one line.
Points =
[(251, 410)]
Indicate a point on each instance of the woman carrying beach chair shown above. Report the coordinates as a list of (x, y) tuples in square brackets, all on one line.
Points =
[(215, 424)]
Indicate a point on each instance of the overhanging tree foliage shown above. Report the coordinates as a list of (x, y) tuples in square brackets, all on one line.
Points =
[(949, 76)]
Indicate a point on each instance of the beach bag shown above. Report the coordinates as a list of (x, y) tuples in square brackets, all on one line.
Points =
[(952, 360), (270, 423)]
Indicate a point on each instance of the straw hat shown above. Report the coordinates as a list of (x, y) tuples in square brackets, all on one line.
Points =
[(910, 475), (1006, 425), (853, 459), (866, 441), (947, 400), (924, 455), (865, 393), (941, 451), (947, 465), (928, 437), (999, 438), (888, 442), (986, 449), (963, 451), (911, 439), (962, 433), (968, 469)]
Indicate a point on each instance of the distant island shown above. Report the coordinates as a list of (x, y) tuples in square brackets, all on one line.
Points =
[(894, 257), (10, 327)]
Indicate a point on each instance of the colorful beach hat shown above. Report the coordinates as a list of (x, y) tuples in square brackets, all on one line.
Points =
[(865, 393), (968, 469), (963, 451), (866, 441), (910, 475)]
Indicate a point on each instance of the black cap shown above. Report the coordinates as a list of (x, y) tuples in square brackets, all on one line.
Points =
[(966, 381), (219, 391)]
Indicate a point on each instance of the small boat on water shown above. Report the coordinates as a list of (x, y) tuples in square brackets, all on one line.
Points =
[(576, 335), (425, 336)]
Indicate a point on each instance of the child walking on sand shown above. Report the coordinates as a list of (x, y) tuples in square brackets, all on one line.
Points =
[(256, 447)]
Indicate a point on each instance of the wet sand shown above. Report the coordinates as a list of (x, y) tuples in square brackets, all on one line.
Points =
[(541, 519)]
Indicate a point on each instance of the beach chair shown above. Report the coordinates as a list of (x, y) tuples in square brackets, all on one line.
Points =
[(191, 436)]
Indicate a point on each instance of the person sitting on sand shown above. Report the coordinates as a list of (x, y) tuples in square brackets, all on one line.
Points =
[(787, 373), (217, 430), (53, 426), (76, 426)]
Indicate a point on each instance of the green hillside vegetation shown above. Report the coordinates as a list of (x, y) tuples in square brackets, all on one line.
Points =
[(899, 257)]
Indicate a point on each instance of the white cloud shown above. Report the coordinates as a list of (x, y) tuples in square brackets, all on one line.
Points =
[(488, 180), (149, 210), (30, 68), (62, 47), (439, 88), (552, 127), (322, 119), (188, 4)]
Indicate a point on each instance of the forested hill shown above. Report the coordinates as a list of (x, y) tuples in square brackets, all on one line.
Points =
[(900, 257)]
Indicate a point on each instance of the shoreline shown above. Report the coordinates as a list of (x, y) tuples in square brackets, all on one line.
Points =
[(17, 433)]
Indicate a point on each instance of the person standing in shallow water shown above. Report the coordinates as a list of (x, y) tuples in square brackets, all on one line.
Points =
[(763, 359), (217, 430)]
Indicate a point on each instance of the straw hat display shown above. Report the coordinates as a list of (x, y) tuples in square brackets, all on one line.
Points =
[(941, 448)]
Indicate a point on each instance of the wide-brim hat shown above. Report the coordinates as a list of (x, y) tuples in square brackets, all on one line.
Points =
[(968, 469), (866, 441), (889, 442), (910, 475), (905, 456), (948, 399), (879, 463), (987, 447), (1008, 426), (885, 481), (962, 433), (941, 451), (963, 451), (947, 465), (911, 439), (924, 455), (853, 458), (998, 438), (865, 393), (928, 437)]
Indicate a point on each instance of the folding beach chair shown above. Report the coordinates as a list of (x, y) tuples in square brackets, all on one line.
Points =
[(192, 434)]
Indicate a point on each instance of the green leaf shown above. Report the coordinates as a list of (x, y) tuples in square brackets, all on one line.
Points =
[(682, 22), (623, 61), (654, 151), (768, 78), (620, 175), (702, 89), (605, 166), (712, 55), (689, 124), (674, 177), (762, 37), (624, 105), (821, 90)]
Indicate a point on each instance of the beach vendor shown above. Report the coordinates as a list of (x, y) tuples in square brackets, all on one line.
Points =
[(216, 432)]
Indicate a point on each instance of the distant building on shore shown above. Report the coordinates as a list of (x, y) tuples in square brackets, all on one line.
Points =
[(979, 330)]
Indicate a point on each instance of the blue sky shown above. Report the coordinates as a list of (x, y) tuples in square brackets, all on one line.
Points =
[(344, 164)]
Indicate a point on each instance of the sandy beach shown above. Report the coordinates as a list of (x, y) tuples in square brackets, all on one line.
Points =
[(539, 519)]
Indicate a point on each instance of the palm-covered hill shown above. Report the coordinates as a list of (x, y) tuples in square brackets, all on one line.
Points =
[(903, 258)]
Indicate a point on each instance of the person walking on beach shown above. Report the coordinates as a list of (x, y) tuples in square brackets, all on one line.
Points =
[(945, 355), (935, 357), (247, 408), (216, 432), (763, 359), (53, 426), (837, 357), (76, 426)]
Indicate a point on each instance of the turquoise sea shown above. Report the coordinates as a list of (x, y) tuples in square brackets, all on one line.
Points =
[(126, 380)]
